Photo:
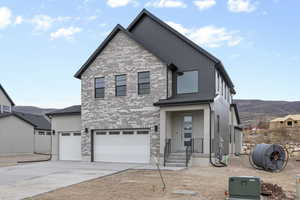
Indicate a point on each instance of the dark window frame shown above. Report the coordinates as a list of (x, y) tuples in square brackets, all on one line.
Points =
[(120, 86), (187, 93), (101, 88), (143, 91)]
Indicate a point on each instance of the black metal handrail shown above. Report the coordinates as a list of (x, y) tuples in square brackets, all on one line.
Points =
[(167, 150), (188, 152)]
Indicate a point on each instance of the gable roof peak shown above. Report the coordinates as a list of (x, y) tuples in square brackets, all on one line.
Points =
[(7, 96)]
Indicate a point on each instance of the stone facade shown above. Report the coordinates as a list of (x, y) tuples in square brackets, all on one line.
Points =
[(122, 56)]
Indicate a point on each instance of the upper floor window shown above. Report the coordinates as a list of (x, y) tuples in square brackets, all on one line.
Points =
[(143, 83), (121, 85), (99, 87), (187, 82), (6, 109)]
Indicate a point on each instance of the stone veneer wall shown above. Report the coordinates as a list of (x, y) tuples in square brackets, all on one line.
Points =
[(122, 56)]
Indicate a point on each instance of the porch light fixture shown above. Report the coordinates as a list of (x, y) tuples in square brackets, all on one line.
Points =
[(86, 130), (53, 132)]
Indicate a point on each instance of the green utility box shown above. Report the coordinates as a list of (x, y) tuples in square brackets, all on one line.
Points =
[(244, 188)]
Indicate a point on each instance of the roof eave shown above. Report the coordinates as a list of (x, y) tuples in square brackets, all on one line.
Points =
[(6, 94)]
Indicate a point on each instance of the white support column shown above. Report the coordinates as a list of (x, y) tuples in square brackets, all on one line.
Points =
[(206, 138), (163, 130)]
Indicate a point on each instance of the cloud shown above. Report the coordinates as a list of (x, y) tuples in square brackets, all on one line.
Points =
[(5, 17), (19, 20), (66, 33), (166, 4), (42, 22), (238, 6), (92, 18), (204, 4), (45, 22), (120, 3), (209, 36)]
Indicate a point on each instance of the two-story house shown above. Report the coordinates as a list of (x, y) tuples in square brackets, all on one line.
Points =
[(22, 132), (149, 93)]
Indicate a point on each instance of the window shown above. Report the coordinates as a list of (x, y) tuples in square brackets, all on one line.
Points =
[(218, 123), (121, 85), (48, 133), (187, 82), (77, 134), (101, 133), (222, 87), (290, 123), (128, 132), (6, 109), (218, 82), (143, 83), (65, 134), (41, 133), (99, 87), (114, 133), (142, 132)]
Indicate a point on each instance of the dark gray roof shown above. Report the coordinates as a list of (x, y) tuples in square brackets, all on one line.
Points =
[(5, 93), (66, 111), (218, 63), (38, 121), (187, 100)]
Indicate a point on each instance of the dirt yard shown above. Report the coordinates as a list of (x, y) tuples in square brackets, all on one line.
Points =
[(210, 183), (12, 160)]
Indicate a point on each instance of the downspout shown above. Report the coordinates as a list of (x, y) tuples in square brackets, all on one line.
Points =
[(210, 142)]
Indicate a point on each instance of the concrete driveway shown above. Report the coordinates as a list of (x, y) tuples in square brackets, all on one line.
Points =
[(22, 181)]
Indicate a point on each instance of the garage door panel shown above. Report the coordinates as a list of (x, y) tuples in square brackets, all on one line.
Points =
[(70, 147), (122, 148)]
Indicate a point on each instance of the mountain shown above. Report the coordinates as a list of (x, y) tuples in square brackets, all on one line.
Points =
[(33, 110), (251, 111), (254, 111)]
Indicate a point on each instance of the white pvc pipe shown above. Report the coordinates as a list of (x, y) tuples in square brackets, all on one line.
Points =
[(298, 186)]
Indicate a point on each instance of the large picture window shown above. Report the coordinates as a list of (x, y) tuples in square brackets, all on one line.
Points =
[(187, 82), (143, 83), (121, 85), (99, 87)]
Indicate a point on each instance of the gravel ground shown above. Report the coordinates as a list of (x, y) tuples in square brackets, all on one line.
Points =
[(12, 160), (210, 183)]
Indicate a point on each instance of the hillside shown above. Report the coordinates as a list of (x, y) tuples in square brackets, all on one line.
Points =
[(253, 111)]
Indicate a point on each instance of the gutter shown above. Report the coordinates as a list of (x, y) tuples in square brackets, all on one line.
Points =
[(210, 143)]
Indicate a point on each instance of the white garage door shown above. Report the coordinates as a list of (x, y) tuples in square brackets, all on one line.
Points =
[(70, 146), (122, 146)]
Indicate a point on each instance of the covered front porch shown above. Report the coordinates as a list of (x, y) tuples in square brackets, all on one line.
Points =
[(185, 130)]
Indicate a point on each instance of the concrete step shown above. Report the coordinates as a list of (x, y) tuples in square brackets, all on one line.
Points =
[(177, 157), (178, 154), (176, 161), (175, 164)]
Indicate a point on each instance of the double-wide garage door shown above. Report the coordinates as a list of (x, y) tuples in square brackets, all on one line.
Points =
[(130, 146)]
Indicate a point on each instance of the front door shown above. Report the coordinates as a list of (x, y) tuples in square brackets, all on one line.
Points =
[(182, 134)]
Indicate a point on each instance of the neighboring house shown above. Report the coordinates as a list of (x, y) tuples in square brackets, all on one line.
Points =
[(22, 132), (289, 121), (149, 93), (6, 102)]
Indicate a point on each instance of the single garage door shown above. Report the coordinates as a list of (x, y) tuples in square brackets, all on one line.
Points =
[(129, 146), (70, 146)]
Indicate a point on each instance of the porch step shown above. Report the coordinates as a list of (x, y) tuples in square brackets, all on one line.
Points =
[(175, 164), (176, 160)]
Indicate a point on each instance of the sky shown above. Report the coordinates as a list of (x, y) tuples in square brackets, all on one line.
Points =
[(44, 42)]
